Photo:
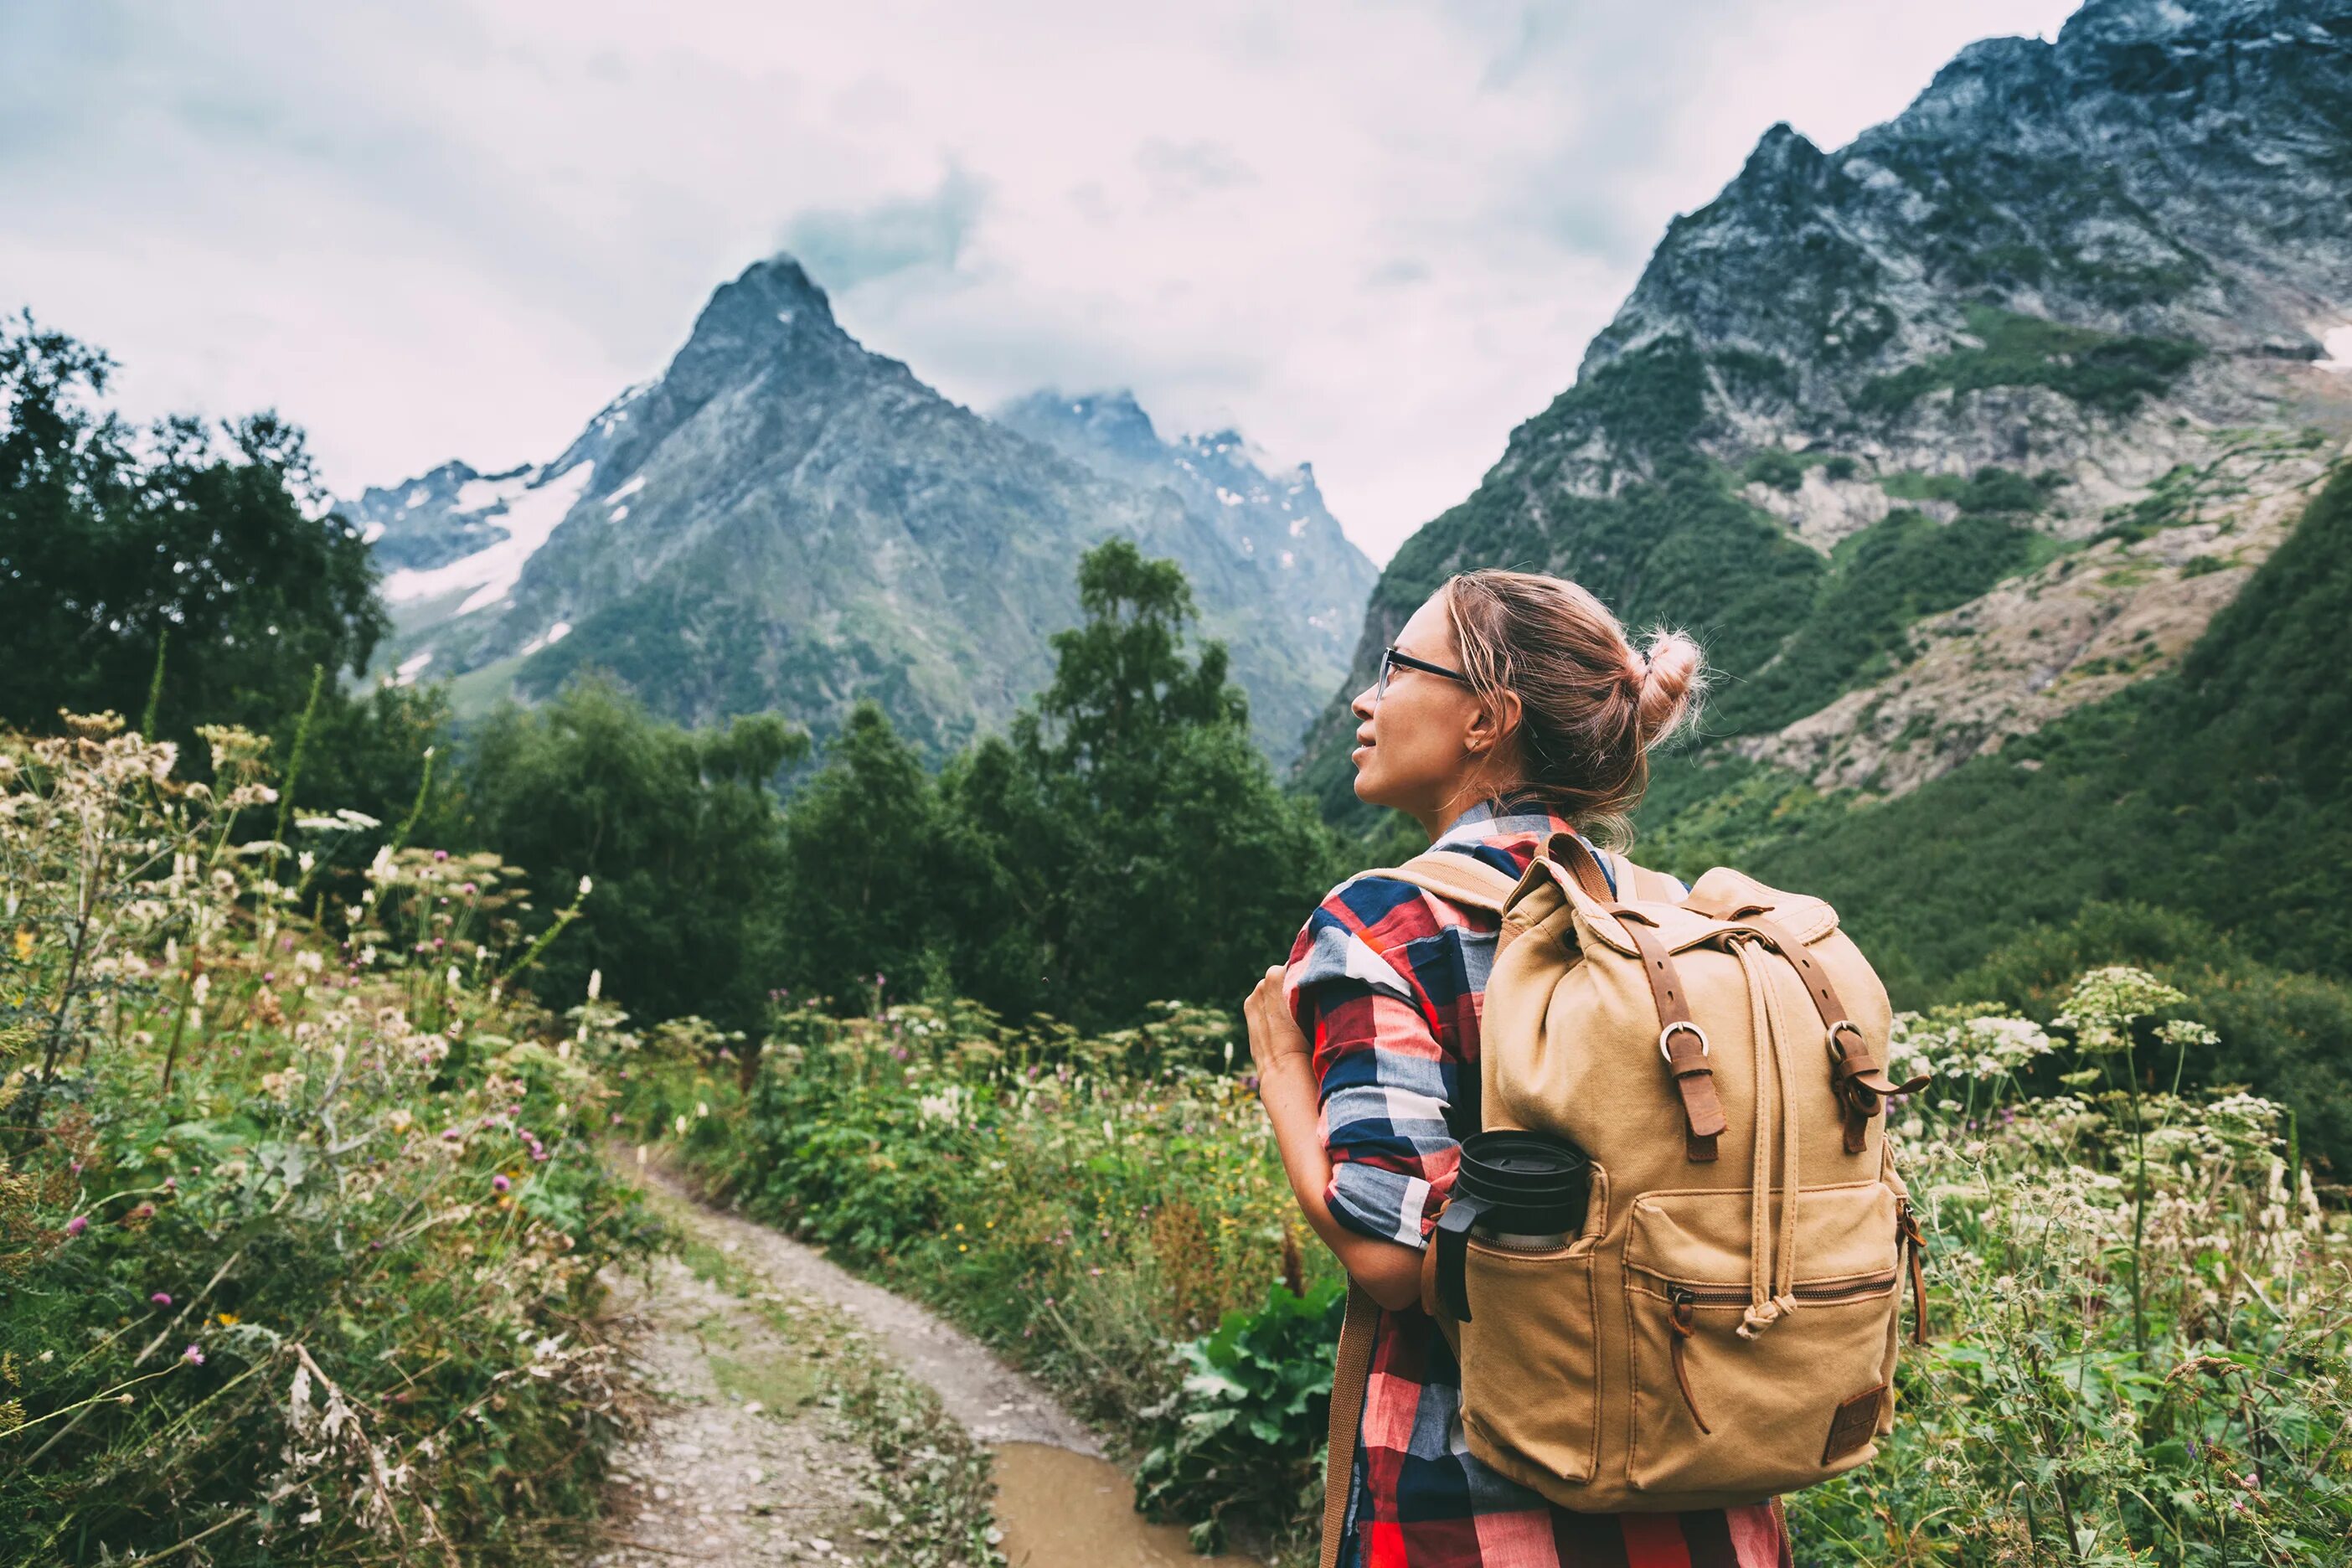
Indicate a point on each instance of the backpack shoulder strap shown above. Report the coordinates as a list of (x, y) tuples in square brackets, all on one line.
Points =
[(1457, 878)]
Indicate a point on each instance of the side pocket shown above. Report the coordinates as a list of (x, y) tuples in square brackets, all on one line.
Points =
[(1530, 1396), (1527, 1357)]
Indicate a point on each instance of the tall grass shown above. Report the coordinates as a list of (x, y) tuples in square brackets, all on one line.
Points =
[(298, 1233), (2142, 1311)]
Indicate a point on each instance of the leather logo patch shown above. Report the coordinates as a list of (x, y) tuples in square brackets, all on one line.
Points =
[(1856, 1423)]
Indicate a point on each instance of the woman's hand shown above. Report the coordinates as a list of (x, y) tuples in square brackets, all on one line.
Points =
[(1277, 1046)]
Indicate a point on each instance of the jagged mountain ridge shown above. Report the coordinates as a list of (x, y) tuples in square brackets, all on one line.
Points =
[(2099, 265), (1273, 517), (785, 521)]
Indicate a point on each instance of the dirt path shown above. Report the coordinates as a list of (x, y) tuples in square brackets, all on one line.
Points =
[(739, 1464), (744, 1464), (993, 1402)]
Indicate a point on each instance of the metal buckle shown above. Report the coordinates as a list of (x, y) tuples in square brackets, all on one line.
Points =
[(1666, 1033), (1837, 1052)]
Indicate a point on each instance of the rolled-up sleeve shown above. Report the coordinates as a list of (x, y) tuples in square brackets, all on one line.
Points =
[(1384, 1083)]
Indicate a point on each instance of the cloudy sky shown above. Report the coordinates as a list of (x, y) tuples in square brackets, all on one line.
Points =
[(1375, 234)]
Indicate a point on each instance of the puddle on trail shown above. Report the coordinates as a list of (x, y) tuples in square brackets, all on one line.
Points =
[(1060, 1510)]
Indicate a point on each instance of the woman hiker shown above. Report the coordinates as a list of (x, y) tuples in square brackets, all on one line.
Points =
[(1510, 707)]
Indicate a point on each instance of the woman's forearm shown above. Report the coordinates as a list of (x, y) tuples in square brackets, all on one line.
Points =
[(1389, 1272)]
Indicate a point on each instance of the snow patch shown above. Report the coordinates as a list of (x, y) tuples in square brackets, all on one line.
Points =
[(410, 669), (493, 571), (554, 633), (1288, 559), (1297, 524), (481, 495), (626, 491), (2338, 342), (1228, 497), (620, 514), (785, 317), (370, 534), (418, 496)]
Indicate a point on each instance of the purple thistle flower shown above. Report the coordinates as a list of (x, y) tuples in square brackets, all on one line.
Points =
[(194, 1356), (76, 1225), (161, 1298), (499, 1184), (439, 856)]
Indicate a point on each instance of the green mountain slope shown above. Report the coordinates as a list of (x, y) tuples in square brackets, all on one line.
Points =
[(2198, 822), (1942, 434)]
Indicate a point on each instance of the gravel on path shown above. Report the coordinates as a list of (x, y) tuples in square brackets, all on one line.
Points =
[(739, 1465)]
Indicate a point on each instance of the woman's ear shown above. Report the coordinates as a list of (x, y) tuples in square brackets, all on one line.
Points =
[(1492, 725)]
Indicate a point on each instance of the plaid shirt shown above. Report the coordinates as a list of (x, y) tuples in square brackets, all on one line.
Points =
[(1386, 982)]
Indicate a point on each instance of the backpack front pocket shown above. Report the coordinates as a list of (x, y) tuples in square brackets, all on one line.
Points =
[(1527, 1359), (1799, 1399)]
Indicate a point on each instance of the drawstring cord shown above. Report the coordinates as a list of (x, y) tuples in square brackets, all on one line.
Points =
[(1769, 1302)]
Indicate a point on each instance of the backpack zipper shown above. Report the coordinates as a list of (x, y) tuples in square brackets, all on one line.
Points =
[(1681, 1301), (1738, 1297)]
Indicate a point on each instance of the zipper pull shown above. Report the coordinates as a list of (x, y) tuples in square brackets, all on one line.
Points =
[(1681, 1318), (1914, 1248)]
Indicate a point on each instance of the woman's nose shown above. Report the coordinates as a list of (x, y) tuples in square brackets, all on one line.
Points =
[(1366, 701)]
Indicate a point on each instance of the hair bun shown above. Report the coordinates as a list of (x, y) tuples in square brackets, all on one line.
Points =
[(1672, 678)]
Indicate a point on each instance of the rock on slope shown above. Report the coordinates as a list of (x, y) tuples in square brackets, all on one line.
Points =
[(2072, 284), (785, 521)]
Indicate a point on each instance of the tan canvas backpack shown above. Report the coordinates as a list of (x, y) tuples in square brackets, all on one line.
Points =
[(1724, 1327)]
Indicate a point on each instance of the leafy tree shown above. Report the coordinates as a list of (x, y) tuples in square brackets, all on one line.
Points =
[(677, 828), (1172, 866), (180, 563), (1125, 844)]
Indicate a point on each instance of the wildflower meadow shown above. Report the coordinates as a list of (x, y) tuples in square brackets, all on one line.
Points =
[(2138, 1297), (299, 1233), (306, 1201)]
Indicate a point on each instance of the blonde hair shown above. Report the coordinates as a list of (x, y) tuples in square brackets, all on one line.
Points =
[(1591, 707)]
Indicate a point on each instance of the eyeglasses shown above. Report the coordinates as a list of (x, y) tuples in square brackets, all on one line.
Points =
[(1391, 661)]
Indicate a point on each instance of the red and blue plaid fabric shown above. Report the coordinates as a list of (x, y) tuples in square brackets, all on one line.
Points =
[(1386, 981)]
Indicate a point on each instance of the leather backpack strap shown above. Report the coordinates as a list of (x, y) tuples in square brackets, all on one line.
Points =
[(1457, 878), (1350, 1378), (1680, 1039), (1861, 1078), (1581, 861)]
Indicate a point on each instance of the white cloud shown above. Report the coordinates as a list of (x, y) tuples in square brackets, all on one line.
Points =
[(1371, 235)]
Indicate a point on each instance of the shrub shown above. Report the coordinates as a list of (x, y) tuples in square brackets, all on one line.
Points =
[(300, 1238), (1777, 468), (1244, 1432)]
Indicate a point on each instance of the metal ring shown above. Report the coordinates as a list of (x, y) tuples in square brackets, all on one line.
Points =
[(1664, 1034), (1838, 1050)]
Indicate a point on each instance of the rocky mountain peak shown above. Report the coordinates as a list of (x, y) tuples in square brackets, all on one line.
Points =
[(1270, 518), (1783, 157), (2074, 295), (1111, 420)]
